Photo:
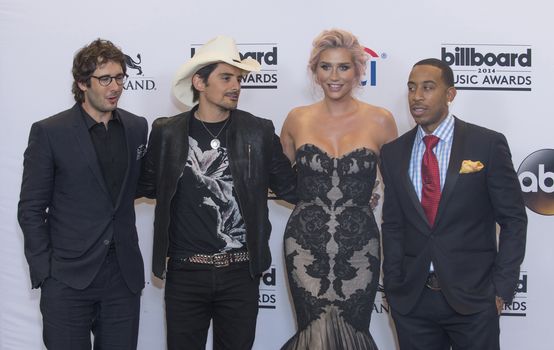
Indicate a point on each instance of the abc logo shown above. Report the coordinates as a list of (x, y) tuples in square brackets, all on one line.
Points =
[(536, 177)]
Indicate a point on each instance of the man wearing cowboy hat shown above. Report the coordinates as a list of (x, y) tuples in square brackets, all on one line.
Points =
[(209, 170)]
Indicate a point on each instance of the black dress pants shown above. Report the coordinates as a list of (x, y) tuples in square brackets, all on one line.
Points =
[(196, 294), (434, 325), (107, 308)]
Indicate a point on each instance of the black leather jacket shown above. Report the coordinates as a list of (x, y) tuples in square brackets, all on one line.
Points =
[(257, 163)]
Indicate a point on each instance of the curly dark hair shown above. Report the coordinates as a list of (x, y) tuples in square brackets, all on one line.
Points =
[(88, 58)]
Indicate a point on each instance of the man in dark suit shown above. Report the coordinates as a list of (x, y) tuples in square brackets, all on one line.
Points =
[(447, 184), (76, 210)]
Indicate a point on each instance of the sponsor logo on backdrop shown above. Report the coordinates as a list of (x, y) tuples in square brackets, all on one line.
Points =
[(518, 307), (370, 76), (266, 55), (267, 298), (490, 66), (536, 177), (380, 305), (137, 81), (132, 64)]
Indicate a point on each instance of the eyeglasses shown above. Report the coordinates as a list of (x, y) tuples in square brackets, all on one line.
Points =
[(106, 80)]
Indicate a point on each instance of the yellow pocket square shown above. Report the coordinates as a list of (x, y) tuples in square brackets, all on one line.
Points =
[(470, 166)]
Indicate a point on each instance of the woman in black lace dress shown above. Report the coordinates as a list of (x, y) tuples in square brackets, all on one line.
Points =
[(332, 241)]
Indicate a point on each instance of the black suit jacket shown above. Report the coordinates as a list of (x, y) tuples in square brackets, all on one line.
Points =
[(65, 210), (462, 243)]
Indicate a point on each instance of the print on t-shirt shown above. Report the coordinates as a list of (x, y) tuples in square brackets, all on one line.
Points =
[(213, 180)]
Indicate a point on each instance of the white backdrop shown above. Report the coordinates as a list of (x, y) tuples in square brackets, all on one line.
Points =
[(39, 38)]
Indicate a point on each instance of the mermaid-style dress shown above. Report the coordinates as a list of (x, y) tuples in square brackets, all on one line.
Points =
[(332, 250)]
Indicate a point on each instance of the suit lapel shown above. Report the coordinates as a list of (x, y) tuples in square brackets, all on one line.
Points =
[(131, 153), (85, 143), (178, 137), (453, 172), (405, 163)]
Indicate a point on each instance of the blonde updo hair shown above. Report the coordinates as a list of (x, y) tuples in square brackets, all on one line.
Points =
[(334, 39)]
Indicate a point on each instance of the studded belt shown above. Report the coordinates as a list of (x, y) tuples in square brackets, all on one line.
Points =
[(219, 259)]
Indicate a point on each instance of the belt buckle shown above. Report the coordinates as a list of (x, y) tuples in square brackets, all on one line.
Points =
[(221, 259)]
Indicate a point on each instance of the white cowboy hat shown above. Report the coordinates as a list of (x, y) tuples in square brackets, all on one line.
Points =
[(219, 49)]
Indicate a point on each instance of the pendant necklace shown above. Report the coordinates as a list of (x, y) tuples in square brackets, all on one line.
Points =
[(214, 143)]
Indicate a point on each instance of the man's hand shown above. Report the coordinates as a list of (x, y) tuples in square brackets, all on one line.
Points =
[(499, 304)]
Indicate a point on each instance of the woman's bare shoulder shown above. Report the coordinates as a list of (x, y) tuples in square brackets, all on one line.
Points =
[(301, 114), (382, 118), (375, 112)]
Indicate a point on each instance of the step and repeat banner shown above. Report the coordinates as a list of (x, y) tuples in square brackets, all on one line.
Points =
[(501, 53)]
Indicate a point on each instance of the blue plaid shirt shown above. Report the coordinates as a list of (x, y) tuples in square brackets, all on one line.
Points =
[(445, 133)]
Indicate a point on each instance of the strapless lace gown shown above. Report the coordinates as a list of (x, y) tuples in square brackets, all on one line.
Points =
[(332, 250)]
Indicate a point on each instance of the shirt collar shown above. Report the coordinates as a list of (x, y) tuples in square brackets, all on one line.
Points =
[(443, 131), (90, 122)]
